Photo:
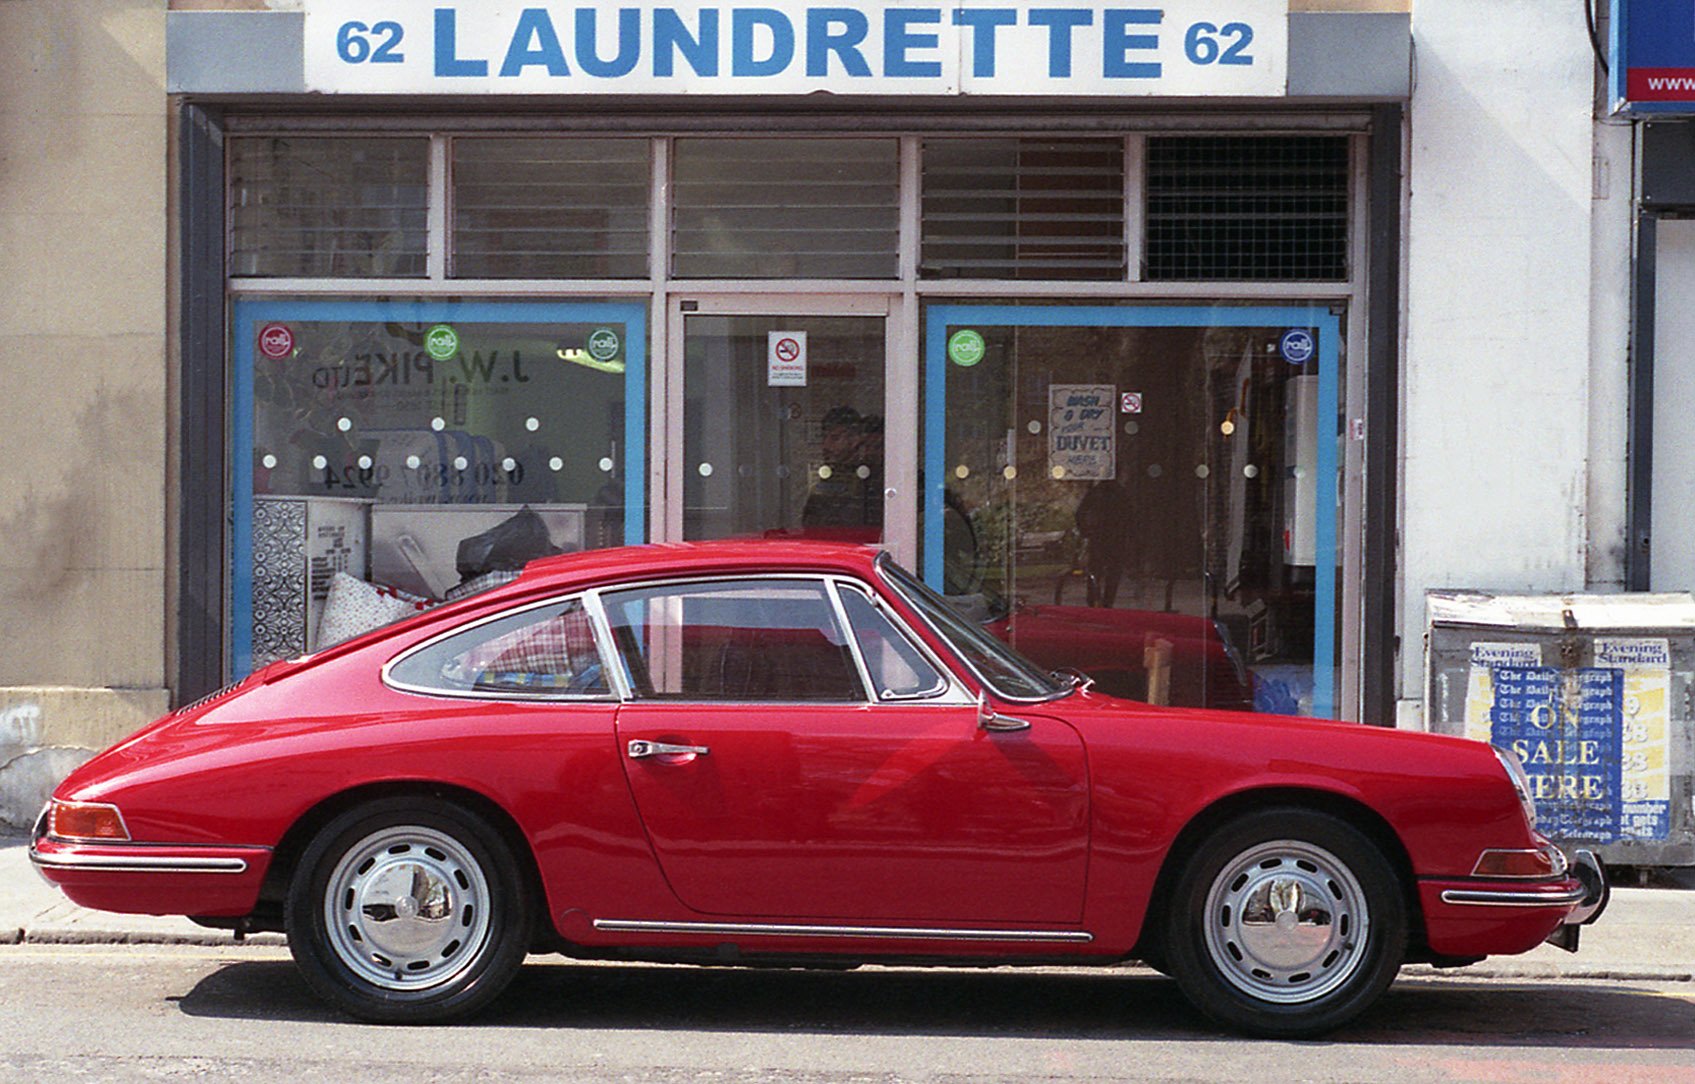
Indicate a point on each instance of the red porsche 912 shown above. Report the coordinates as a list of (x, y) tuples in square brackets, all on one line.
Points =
[(785, 751)]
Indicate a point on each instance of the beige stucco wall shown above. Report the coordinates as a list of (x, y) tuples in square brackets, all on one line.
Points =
[(83, 186)]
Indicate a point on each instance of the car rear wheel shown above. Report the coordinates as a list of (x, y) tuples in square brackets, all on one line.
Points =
[(1286, 923), (408, 912)]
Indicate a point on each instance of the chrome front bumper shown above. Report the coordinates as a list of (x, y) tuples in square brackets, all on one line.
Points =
[(1587, 868), (1584, 901)]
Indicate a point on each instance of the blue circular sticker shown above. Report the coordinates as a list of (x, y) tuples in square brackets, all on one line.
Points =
[(1297, 346)]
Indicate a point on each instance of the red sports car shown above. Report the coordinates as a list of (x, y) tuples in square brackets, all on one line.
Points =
[(793, 752)]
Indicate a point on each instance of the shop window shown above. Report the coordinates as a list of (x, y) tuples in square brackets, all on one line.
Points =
[(1023, 209), (793, 208), (328, 207), (391, 455), (550, 208), (1255, 208), (1146, 494)]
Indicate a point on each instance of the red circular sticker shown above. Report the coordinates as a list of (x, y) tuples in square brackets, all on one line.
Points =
[(276, 341), (787, 350)]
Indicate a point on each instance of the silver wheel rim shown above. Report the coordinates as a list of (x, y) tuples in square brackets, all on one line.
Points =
[(407, 908), (1286, 922)]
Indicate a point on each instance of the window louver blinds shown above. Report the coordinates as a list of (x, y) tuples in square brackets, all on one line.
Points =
[(328, 207), (792, 208), (550, 208), (1023, 209)]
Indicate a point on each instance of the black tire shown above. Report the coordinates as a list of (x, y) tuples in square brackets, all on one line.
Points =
[(406, 911), (1286, 923)]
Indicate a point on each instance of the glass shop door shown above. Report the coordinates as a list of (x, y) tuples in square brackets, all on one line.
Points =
[(1146, 493), (779, 419)]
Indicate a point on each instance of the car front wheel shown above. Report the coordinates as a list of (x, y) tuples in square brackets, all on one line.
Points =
[(1286, 923), (408, 912)]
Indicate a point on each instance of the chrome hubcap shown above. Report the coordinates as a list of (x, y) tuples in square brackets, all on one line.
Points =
[(407, 908), (1286, 922)]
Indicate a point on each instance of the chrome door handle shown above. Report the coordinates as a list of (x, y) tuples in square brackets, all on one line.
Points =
[(640, 749)]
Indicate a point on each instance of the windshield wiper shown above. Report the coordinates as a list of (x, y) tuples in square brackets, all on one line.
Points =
[(1076, 679)]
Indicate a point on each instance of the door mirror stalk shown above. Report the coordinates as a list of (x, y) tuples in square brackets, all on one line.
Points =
[(991, 720)]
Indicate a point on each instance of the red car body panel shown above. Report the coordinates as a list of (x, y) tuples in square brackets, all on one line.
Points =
[(888, 814), (886, 798)]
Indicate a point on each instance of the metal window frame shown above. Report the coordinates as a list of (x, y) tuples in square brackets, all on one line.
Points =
[(203, 391), (1639, 463)]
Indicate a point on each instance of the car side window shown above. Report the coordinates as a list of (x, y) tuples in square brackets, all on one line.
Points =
[(742, 640), (898, 669), (542, 651)]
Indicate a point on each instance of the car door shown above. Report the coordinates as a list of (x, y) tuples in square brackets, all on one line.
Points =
[(772, 783)]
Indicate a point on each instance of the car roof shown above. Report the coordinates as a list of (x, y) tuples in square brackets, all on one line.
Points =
[(666, 559)]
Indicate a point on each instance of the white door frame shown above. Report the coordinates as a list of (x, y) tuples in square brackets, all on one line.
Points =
[(900, 410)]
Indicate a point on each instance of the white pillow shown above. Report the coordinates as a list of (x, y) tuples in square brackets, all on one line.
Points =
[(354, 606)]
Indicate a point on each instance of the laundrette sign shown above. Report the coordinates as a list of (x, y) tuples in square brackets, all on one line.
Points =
[(1178, 48)]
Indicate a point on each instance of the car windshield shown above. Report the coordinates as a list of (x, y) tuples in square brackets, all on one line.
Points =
[(1004, 670)]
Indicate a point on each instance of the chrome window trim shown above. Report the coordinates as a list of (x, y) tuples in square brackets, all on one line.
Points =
[(983, 682), (387, 677), (872, 693), (821, 578), (950, 689), (890, 933), (611, 662)]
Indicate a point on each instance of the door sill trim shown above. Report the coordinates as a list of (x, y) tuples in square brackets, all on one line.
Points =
[(891, 933)]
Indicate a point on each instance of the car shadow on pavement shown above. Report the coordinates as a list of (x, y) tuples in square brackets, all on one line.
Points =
[(1120, 1004)]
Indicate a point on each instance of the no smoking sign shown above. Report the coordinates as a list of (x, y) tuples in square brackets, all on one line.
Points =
[(785, 359)]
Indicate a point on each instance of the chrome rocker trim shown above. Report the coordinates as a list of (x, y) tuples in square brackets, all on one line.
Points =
[(138, 863), (892, 933)]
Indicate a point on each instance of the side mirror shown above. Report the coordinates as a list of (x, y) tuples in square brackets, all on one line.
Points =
[(990, 719)]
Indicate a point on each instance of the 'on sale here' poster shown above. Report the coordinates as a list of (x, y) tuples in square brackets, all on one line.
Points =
[(1595, 740)]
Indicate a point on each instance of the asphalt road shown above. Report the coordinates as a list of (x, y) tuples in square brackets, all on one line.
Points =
[(142, 1013)]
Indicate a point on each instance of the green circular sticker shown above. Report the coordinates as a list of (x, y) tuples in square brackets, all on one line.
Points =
[(965, 347), (603, 344), (441, 342)]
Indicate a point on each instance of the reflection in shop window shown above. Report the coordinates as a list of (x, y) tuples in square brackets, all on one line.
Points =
[(428, 459), (1139, 503)]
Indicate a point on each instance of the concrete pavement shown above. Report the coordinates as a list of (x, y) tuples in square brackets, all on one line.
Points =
[(1646, 933)]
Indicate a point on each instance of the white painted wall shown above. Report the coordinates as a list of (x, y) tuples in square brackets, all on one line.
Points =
[(1611, 280), (1497, 371)]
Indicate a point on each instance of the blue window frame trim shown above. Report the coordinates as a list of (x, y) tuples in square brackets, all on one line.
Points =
[(632, 314), (1325, 324)]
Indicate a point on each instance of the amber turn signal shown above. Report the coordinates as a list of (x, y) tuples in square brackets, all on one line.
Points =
[(86, 820), (1544, 861)]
